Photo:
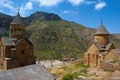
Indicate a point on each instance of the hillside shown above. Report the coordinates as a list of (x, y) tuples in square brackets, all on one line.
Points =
[(116, 36), (59, 37), (5, 21), (55, 38)]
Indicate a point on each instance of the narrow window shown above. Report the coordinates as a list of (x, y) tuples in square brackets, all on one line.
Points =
[(22, 51)]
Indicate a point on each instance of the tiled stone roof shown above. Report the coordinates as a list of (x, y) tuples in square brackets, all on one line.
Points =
[(103, 47), (117, 52), (17, 20), (29, 41), (8, 41), (31, 72), (102, 30), (11, 41)]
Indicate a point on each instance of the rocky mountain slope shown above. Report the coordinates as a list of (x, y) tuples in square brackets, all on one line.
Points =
[(54, 38)]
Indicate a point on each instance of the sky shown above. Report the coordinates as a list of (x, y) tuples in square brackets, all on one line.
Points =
[(85, 12)]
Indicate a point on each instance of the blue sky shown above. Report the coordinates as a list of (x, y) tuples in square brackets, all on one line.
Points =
[(85, 12)]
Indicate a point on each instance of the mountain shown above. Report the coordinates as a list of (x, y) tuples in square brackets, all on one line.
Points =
[(44, 16), (55, 38), (66, 39), (5, 21), (41, 16), (117, 36)]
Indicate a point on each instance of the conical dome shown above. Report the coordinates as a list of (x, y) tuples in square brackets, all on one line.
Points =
[(102, 30), (17, 20)]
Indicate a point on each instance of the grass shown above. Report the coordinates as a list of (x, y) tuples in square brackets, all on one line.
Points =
[(81, 65), (84, 71), (64, 67), (68, 77), (73, 70)]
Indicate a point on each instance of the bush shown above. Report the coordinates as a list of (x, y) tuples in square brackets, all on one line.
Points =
[(68, 77), (75, 75), (82, 65), (84, 71), (64, 67)]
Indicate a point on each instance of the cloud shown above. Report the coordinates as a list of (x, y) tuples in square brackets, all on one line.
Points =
[(90, 2), (29, 5), (76, 2), (48, 3), (8, 4), (25, 8), (100, 5), (12, 9), (70, 12), (9, 7), (45, 3), (66, 11)]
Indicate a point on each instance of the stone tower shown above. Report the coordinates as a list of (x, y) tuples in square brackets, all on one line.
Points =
[(102, 35), (16, 50), (17, 28)]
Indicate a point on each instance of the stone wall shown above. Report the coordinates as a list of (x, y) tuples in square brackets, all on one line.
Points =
[(111, 56), (102, 39), (109, 65)]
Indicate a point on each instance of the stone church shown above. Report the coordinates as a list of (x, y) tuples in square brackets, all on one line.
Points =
[(101, 49), (16, 50)]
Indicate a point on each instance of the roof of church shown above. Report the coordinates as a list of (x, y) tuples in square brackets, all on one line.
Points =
[(102, 30), (117, 51), (11, 41), (31, 72), (8, 41), (29, 41), (103, 47), (17, 20)]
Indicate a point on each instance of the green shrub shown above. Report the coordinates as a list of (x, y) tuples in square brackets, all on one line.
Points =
[(64, 67), (82, 65), (84, 71), (75, 75), (68, 77)]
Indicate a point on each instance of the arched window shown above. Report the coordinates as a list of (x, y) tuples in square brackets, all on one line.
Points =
[(93, 56), (19, 32), (22, 52), (88, 58), (97, 59), (14, 31), (11, 32)]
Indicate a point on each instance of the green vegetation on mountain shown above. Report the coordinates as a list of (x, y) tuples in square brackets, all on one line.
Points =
[(59, 39), (5, 21), (53, 37)]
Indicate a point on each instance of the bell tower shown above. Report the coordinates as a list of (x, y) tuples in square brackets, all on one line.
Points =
[(17, 28), (102, 35)]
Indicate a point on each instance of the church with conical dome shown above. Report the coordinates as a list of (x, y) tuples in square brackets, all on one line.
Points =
[(16, 50), (101, 49)]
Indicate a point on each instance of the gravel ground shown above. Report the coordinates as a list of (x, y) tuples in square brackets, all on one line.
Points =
[(51, 63)]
